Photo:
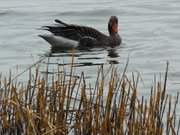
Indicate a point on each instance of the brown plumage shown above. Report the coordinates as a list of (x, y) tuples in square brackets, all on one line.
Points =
[(87, 36)]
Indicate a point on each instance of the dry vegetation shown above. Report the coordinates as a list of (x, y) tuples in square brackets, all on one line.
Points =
[(66, 104)]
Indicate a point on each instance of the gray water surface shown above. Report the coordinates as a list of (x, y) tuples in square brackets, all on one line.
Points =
[(150, 31)]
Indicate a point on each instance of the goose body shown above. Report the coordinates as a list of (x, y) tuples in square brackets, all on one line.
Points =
[(72, 36)]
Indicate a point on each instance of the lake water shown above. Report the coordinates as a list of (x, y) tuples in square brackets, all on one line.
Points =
[(150, 31)]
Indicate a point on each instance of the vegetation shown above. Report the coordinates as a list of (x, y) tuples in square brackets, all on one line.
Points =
[(66, 104)]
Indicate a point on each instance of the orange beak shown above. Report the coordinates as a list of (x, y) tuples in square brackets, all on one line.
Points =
[(115, 28)]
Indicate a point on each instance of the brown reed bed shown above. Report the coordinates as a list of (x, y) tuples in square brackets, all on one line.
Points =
[(66, 104)]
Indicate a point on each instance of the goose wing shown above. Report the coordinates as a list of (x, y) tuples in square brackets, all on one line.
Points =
[(74, 32)]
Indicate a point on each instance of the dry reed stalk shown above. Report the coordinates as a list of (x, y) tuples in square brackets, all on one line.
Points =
[(62, 105)]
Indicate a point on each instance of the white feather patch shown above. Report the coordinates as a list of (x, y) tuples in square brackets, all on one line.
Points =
[(60, 42)]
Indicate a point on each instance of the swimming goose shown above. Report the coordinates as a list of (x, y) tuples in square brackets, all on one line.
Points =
[(72, 36)]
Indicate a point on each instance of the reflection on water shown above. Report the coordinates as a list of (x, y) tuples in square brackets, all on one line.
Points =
[(113, 53), (87, 57)]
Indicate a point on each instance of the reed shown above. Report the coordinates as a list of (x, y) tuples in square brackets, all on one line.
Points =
[(66, 104)]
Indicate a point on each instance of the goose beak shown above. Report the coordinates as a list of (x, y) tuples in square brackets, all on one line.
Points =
[(115, 28)]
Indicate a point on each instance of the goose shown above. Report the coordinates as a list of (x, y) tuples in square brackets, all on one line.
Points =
[(65, 35)]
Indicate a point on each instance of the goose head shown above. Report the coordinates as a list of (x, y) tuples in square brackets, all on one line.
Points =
[(113, 25)]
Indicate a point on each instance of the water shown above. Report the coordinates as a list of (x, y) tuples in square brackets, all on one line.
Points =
[(149, 29)]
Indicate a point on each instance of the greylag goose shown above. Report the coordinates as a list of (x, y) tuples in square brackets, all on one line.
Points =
[(73, 36)]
